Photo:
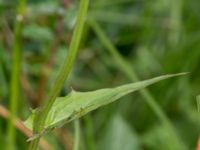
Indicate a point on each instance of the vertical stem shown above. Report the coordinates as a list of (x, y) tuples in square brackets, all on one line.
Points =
[(198, 109), (129, 71), (198, 121), (198, 103), (39, 121), (77, 135), (15, 74), (59, 31), (89, 133), (175, 21)]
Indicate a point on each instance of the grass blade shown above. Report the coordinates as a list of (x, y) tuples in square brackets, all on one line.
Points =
[(15, 75), (129, 71)]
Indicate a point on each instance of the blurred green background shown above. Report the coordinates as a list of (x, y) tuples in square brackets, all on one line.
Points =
[(153, 37)]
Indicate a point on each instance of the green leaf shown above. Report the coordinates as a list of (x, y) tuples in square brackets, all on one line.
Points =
[(77, 104)]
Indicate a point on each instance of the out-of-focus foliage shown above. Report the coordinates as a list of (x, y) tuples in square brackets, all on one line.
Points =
[(154, 36)]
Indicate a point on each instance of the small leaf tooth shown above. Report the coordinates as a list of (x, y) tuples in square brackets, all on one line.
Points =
[(72, 90)]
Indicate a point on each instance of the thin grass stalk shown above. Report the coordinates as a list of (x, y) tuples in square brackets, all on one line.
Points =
[(89, 133), (198, 120), (198, 103), (77, 135), (108, 3), (15, 75), (63, 74), (130, 72), (175, 21)]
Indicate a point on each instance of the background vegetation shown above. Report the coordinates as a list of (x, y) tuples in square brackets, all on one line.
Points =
[(123, 41)]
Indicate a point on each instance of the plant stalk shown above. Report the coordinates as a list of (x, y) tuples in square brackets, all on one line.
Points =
[(42, 113), (129, 71), (77, 135), (15, 75)]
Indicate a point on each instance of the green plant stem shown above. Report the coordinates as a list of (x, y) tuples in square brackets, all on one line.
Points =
[(198, 110), (89, 133), (175, 20), (198, 103), (63, 74), (15, 75), (77, 135), (115, 17), (129, 71), (108, 3)]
